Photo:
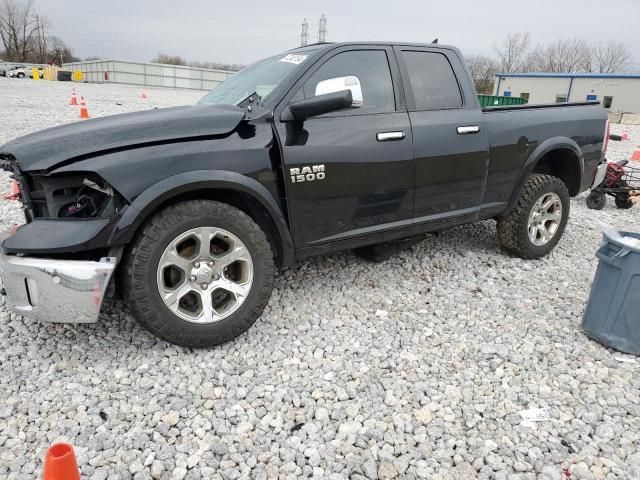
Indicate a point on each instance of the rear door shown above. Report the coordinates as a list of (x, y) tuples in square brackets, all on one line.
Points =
[(349, 173), (450, 149)]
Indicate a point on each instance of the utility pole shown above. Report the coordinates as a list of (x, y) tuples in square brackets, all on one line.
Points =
[(322, 29), (304, 37)]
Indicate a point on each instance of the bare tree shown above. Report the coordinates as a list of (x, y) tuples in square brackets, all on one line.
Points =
[(59, 52), (610, 57), (483, 72), (169, 59), (561, 56), (513, 52), (177, 60), (19, 25), (39, 40), (232, 67)]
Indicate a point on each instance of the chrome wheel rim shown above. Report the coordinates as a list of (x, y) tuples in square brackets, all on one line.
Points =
[(545, 219), (205, 274)]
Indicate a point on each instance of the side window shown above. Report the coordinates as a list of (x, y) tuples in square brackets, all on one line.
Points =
[(372, 69), (432, 80)]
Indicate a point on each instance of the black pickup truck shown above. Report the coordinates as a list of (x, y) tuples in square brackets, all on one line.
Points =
[(189, 211)]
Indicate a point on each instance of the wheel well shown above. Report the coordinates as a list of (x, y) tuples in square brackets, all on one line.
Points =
[(563, 164), (241, 201)]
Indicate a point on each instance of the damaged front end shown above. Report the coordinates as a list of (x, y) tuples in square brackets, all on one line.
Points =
[(82, 195), (65, 195), (57, 267)]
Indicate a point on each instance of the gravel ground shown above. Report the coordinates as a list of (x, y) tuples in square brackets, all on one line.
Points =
[(413, 368)]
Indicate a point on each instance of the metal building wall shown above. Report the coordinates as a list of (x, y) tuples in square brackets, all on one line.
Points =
[(540, 90), (149, 74), (625, 92), (624, 89)]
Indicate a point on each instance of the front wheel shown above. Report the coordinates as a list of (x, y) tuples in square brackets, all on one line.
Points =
[(199, 274), (596, 200), (536, 223)]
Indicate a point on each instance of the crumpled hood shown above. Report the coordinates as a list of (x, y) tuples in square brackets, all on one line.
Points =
[(47, 148)]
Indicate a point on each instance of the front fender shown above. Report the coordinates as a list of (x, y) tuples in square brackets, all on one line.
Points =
[(161, 192), (554, 143)]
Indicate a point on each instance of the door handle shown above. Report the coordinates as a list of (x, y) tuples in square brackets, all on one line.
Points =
[(466, 130), (390, 136)]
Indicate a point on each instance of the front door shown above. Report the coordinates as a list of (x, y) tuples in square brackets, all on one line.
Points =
[(350, 173), (450, 146)]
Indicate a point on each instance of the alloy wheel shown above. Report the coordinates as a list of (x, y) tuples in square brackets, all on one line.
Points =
[(205, 274), (545, 219)]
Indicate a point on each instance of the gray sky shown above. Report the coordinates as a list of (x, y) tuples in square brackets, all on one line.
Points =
[(242, 31)]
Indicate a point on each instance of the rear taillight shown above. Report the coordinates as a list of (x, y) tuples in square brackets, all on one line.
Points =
[(605, 144)]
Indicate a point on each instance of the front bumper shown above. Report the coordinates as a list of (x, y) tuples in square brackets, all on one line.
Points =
[(62, 291)]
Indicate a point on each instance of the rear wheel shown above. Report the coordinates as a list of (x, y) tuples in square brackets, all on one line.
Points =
[(596, 200), (199, 274), (624, 202), (536, 223)]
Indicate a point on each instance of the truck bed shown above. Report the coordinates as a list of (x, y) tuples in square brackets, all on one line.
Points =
[(515, 132)]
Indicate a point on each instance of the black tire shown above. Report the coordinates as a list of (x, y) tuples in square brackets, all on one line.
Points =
[(20, 75), (141, 262), (624, 202), (513, 227), (596, 200)]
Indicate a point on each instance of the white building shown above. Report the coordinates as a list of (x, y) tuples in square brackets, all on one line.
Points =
[(616, 92)]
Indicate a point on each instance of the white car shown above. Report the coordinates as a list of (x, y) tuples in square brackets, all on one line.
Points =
[(22, 72), (17, 72)]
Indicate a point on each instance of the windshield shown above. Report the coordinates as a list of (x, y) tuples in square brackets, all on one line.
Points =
[(261, 78)]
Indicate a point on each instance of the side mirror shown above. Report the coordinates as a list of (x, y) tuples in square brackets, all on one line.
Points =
[(311, 107), (338, 84)]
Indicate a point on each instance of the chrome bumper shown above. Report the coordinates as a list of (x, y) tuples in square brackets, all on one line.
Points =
[(601, 172), (62, 291)]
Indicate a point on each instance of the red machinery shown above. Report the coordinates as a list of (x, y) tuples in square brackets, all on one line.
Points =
[(622, 182)]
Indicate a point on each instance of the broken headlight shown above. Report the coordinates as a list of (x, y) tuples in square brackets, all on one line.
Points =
[(82, 195)]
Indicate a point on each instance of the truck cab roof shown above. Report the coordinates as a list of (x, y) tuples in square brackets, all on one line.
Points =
[(331, 45)]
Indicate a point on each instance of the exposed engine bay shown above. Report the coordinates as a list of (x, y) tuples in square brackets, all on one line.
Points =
[(70, 196)]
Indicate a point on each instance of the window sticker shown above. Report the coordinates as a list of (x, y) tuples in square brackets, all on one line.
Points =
[(295, 59)]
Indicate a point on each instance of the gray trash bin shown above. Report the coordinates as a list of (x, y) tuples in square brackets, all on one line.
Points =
[(612, 316)]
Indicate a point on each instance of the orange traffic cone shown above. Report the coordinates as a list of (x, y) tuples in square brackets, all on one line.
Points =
[(15, 192), (74, 100), (636, 154), (84, 113), (625, 134), (144, 95), (60, 463)]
